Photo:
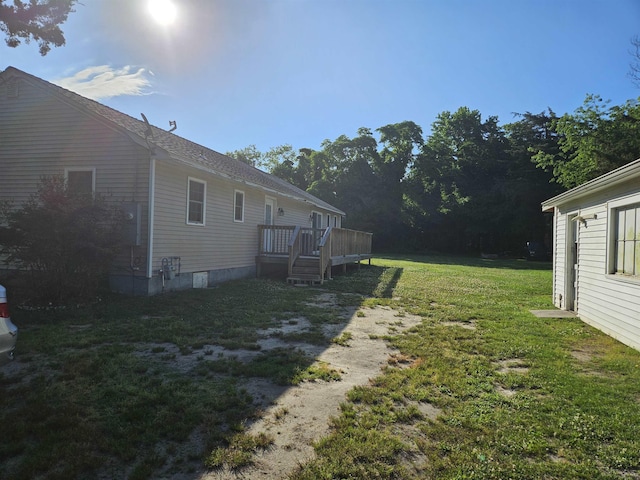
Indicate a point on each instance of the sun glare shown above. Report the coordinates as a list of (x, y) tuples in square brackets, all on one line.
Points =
[(163, 12)]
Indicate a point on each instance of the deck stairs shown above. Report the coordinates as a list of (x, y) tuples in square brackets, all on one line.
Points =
[(306, 270)]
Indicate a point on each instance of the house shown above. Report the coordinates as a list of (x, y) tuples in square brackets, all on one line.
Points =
[(596, 258), (195, 217)]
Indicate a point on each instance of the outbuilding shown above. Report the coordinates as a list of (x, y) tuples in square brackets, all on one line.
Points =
[(596, 252)]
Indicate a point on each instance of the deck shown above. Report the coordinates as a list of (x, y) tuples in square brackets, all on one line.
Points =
[(308, 253)]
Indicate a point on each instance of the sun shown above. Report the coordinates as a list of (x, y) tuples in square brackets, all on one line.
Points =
[(163, 12)]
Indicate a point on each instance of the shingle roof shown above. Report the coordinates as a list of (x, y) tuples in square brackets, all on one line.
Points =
[(179, 148)]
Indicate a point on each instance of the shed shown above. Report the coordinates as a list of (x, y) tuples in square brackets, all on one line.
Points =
[(596, 254)]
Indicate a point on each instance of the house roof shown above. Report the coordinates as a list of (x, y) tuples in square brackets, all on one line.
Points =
[(178, 148), (625, 173)]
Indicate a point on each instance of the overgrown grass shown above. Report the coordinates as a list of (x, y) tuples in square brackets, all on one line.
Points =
[(102, 391), (514, 400)]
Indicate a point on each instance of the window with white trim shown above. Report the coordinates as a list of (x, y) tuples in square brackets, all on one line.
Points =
[(238, 206), (80, 181), (627, 240), (196, 195)]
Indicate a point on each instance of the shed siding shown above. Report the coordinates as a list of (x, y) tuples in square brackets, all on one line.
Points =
[(607, 302), (42, 135), (560, 243)]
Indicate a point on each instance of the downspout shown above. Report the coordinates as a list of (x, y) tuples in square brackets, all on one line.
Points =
[(152, 196)]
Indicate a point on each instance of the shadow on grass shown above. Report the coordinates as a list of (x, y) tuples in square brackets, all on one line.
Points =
[(136, 369), (368, 280)]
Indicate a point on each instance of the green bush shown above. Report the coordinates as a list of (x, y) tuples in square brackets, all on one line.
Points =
[(65, 243)]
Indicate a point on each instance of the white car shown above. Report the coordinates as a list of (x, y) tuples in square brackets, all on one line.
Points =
[(8, 331)]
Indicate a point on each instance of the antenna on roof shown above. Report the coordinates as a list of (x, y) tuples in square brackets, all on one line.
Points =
[(148, 133), (173, 125)]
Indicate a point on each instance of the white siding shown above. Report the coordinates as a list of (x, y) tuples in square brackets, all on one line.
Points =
[(608, 302), (559, 249)]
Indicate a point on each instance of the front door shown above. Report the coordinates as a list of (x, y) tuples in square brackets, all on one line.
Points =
[(267, 241)]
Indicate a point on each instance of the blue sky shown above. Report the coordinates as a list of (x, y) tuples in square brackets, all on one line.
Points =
[(233, 73)]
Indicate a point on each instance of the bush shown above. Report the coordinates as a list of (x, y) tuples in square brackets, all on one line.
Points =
[(65, 242)]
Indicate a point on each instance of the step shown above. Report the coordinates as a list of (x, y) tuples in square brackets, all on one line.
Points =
[(305, 270)]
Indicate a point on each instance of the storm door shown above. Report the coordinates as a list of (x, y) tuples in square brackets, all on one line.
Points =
[(269, 205)]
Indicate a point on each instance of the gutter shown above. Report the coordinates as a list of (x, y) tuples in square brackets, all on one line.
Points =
[(152, 204)]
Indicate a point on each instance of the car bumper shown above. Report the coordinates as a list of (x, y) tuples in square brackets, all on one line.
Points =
[(8, 338)]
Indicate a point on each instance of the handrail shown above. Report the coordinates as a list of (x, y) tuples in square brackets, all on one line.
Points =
[(326, 245), (325, 251)]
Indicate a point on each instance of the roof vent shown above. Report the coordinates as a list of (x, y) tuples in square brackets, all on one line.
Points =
[(13, 88)]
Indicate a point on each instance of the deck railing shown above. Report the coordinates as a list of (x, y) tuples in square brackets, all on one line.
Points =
[(296, 241), (350, 242)]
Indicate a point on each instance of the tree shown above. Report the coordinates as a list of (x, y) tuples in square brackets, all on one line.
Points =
[(634, 67), (249, 155), (463, 162), (526, 185), (594, 140), (67, 242), (39, 20)]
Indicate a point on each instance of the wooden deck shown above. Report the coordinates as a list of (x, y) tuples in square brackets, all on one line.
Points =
[(309, 253)]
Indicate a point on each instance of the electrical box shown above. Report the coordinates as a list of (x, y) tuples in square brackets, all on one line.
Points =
[(132, 223)]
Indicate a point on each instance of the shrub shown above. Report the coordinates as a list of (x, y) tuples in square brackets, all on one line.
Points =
[(65, 242)]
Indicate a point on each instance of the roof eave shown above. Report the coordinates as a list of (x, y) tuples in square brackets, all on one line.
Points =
[(625, 173)]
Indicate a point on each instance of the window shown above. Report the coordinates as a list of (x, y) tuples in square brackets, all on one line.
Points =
[(238, 206), (80, 181), (627, 240), (196, 202)]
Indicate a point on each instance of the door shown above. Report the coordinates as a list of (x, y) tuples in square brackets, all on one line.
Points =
[(267, 241), (572, 264)]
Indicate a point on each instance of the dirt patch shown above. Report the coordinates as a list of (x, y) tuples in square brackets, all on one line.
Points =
[(296, 417)]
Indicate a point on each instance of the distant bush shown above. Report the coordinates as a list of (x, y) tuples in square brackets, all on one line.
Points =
[(64, 242)]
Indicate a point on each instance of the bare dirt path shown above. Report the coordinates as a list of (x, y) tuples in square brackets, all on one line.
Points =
[(299, 416)]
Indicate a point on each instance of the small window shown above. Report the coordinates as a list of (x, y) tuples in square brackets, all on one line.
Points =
[(238, 206), (80, 181), (627, 240), (196, 202)]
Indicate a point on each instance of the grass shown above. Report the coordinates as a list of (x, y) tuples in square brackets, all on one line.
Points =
[(545, 415), (105, 390), (101, 391)]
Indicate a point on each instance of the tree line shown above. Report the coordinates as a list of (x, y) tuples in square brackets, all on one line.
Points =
[(471, 185)]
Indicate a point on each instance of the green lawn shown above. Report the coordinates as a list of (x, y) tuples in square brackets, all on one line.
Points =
[(516, 396), (519, 396)]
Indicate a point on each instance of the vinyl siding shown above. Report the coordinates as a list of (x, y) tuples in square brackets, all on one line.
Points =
[(607, 302), (559, 248), (42, 135), (220, 243)]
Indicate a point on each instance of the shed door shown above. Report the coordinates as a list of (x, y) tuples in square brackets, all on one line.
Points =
[(572, 264)]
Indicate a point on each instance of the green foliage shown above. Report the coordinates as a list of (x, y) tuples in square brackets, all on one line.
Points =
[(40, 21), (594, 140), (66, 242), (563, 417)]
